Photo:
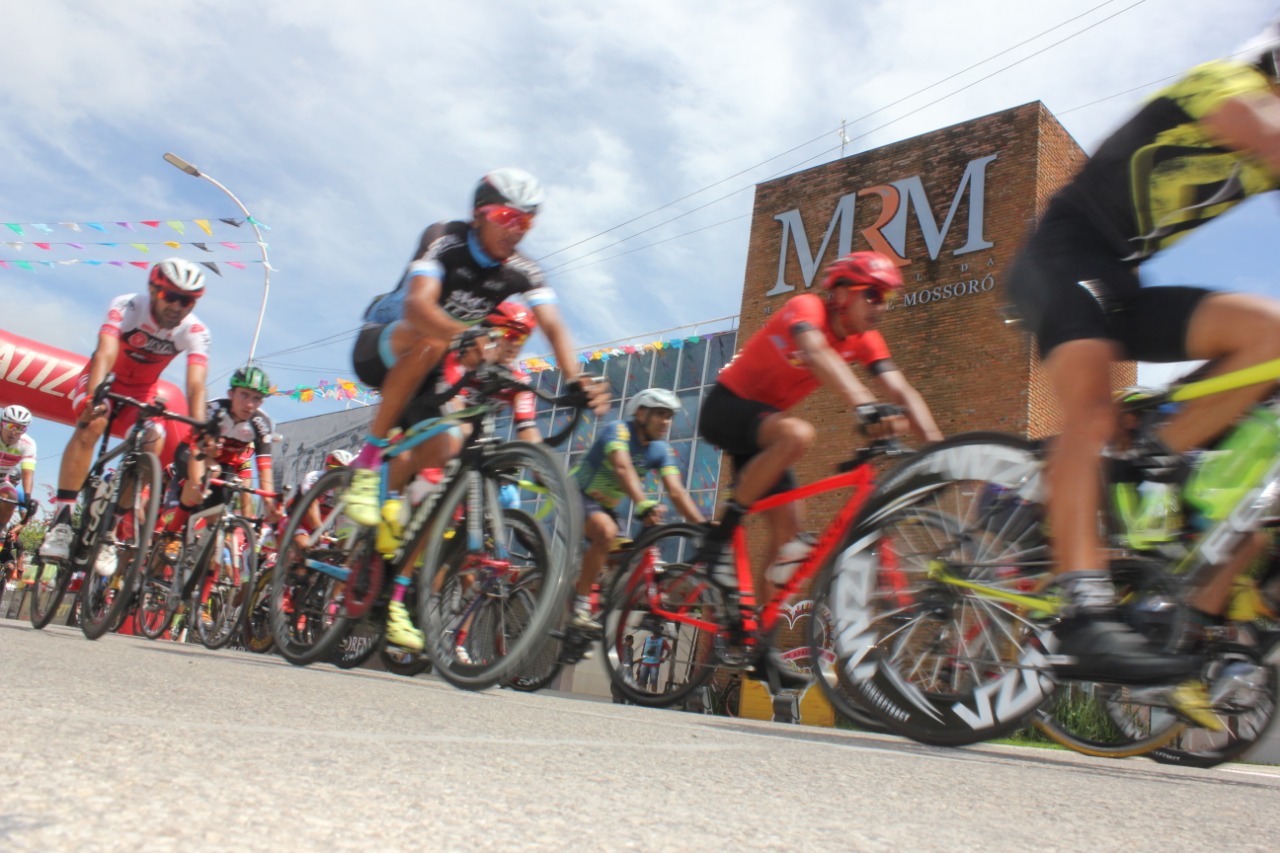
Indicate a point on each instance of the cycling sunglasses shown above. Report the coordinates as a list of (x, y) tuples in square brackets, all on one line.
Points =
[(177, 298), (507, 217), (876, 296), (15, 427)]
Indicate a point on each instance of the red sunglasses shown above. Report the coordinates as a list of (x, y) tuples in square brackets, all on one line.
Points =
[(177, 298), (507, 217), (876, 296)]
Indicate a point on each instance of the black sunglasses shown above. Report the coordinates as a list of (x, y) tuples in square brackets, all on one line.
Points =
[(176, 298)]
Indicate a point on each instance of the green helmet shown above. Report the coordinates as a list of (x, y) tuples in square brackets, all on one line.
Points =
[(253, 378)]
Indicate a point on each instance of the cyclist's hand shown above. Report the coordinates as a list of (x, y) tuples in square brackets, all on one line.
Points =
[(881, 420), (597, 393), (272, 512)]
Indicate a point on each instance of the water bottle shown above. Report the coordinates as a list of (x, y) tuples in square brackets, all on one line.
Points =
[(1228, 471)]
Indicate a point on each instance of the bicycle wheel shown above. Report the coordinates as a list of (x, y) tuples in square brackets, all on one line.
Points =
[(527, 545), (47, 589), (936, 660), (835, 686), (157, 599), (484, 609), (257, 613), (657, 584), (127, 529), (221, 597), (307, 581), (361, 641), (404, 662)]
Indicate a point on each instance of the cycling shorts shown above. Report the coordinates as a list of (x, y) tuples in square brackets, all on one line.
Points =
[(372, 358), (1068, 285), (732, 423), (80, 399)]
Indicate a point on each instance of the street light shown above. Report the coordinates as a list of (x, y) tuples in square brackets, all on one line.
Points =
[(178, 163)]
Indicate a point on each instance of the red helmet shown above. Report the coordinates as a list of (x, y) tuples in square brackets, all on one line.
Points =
[(862, 269), (514, 316)]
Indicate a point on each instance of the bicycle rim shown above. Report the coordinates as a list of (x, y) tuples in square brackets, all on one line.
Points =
[(656, 583), (157, 599), (527, 544), (936, 661), (1107, 720), (104, 600), (47, 590), (227, 585)]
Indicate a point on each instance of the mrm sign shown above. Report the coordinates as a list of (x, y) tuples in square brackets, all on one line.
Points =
[(899, 202)]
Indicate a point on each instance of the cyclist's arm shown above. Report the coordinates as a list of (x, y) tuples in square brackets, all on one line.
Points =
[(101, 362), (905, 396), (422, 309), (831, 370), (28, 483), (625, 473), (197, 373), (680, 497), (562, 345), (1249, 123)]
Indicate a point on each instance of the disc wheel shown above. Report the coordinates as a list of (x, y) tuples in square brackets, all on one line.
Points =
[(308, 579), (485, 608), (666, 659), (126, 530), (914, 638)]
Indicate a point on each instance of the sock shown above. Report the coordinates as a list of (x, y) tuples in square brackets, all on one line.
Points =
[(402, 586), (370, 456), (178, 521)]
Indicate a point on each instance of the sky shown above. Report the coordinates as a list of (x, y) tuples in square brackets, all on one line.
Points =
[(348, 127)]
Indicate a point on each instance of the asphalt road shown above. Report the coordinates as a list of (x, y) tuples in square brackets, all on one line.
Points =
[(125, 744)]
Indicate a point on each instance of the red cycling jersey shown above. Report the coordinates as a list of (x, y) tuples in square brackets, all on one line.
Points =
[(145, 348), (769, 368)]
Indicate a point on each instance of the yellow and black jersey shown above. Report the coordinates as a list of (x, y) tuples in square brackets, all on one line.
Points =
[(1160, 175)]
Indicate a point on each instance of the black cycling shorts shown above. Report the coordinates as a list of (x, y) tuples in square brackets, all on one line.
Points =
[(732, 423), (1068, 285), (370, 361)]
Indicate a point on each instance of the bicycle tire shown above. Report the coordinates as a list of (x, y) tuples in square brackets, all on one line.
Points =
[(104, 600), (933, 661), (47, 590), (658, 569), (480, 620), (222, 596), (256, 629), (543, 666), (842, 695), (307, 621), (404, 662), (157, 600), (364, 638)]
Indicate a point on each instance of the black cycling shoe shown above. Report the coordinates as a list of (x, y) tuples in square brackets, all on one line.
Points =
[(1097, 647)]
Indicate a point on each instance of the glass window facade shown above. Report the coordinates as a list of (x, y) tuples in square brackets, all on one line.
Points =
[(687, 367)]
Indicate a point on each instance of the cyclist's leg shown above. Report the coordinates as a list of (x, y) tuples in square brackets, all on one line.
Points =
[(396, 359), (600, 526), (77, 458)]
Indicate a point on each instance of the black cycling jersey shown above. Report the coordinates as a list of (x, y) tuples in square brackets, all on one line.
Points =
[(472, 283)]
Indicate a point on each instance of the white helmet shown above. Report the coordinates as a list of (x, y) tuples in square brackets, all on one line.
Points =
[(338, 457), (19, 415), (510, 187), (178, 274), (653, 398), (1262, 50)]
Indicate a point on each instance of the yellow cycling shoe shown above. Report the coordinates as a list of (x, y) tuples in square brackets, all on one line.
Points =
[(400, 628), (1191, 700), (361, 498)]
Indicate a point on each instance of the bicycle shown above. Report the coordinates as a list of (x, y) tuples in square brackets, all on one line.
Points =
[(660, 593), (480, 611), (943, 607), (117, 510)]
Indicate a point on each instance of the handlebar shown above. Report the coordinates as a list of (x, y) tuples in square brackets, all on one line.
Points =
[(236, 487), (890, 448), (154, 409)]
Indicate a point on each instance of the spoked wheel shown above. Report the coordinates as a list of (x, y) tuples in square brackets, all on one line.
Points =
[(222, 595), (527, 545), (307, 582), (839, 692), (937, 658), (257, 613), (485, 607), (157, 600), (47, 589), (126, 531), (669, 658)]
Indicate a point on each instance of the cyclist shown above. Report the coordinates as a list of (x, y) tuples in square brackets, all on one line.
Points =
[(610, 471), (809, 342), (17, 463), (143, 332), (1195, 150), (460, 273), (244, 439)]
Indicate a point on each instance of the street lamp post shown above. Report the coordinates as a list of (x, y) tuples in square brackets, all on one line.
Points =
[(177, 162)]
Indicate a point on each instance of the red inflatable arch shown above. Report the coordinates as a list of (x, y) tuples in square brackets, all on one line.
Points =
[(41, 377)]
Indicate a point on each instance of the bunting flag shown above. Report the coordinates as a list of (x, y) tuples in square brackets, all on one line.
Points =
[(99, 262), (338, 389), (537, 365), (142, 247), (179, 225)]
